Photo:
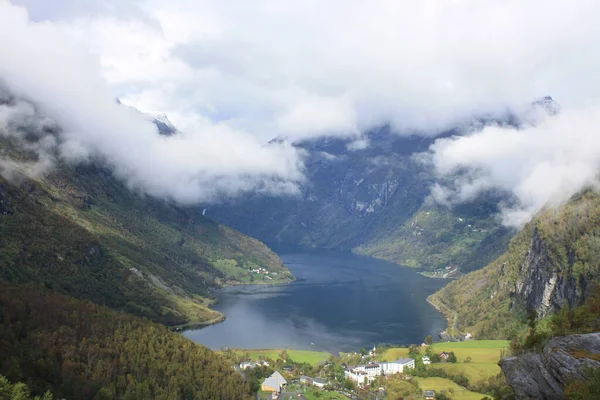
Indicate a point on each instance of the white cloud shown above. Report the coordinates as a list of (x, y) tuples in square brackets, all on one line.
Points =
[(64, 82), (252, 70), (541, 165), (343, 65)]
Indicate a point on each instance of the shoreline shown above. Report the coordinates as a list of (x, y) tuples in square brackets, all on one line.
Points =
[(189, 326), (425, 274), (451, 333)]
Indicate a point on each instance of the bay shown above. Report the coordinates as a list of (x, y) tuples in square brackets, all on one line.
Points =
[(339, 302)]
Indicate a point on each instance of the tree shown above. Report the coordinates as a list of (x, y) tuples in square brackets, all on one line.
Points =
[(348, 384), (284, 355), (452, 357), (413, 349), (363, 351), (428, 340)]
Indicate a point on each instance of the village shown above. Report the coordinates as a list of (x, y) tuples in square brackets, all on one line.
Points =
[(419, 372)]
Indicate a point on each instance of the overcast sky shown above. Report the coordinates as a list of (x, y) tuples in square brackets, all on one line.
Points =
[(233, 74)]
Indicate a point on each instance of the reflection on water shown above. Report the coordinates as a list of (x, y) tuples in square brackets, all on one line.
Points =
[(339, 302)]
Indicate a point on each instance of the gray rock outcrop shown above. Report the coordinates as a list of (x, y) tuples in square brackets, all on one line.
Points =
[(543, 285), (543, 376)]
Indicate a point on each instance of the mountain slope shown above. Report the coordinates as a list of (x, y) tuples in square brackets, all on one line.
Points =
[(552, 263), (73, 239), (78, 350), (373, 200), (80, 231)]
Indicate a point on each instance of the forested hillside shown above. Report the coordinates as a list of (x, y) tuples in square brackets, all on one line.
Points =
[(79, 231), (80, 253), (553, 263), (79, 350)]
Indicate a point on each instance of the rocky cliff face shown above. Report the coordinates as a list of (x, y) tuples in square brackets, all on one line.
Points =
[(544, 376), (544, 286), (553, 262)]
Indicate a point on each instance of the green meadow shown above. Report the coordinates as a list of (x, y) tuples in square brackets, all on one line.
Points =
[(484, 355), (300, 356), (453, 390)]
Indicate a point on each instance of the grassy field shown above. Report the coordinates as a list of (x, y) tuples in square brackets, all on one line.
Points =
[(394, 353), (484, 354), (455, 391), (299, 356), (316, 394), (480, 351), (475, 372)]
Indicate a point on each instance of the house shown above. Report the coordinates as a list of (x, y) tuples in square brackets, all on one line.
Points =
[(426, 360), (444, 355), (320, 383), (273, 383), (429, 394), (305, 380), (288, 368), (247, 365)]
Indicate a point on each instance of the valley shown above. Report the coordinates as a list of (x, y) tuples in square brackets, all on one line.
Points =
[(281, 200), (374, 201)]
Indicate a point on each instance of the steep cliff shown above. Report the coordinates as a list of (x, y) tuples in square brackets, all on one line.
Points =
[(544, 376), (553, 262)]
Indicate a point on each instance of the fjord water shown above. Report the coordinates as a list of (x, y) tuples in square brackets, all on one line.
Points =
[(339, 302)]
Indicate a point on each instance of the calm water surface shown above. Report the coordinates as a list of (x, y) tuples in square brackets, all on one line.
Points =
[(339, 302)]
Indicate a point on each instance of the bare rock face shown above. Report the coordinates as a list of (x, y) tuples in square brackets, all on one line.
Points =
[(544, 286), (543, 376)]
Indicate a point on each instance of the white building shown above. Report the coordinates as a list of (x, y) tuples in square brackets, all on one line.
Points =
[(398, 366), (358, 376), (426, 360), (371, 371), (247, 365), (320, 383)]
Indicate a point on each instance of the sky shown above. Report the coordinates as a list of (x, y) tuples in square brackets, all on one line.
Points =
[(231, 75)]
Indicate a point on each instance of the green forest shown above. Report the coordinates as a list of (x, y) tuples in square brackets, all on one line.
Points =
[(78, 350)]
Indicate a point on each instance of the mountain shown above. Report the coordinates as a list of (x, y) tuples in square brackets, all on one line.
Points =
[(91, 272), (371, 196), (164, 125), (79, 231), (552, 263)]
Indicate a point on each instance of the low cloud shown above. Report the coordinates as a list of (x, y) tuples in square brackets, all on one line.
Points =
[(542, 165), (50, 76), (233, 75), (306, 68)]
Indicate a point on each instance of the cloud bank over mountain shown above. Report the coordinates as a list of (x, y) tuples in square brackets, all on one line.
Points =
[(232, 75), (542, 165), (45, 71)]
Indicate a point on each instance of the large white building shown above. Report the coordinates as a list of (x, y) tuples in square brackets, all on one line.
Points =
[(370, 371), (398, 366), (358, 376)]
